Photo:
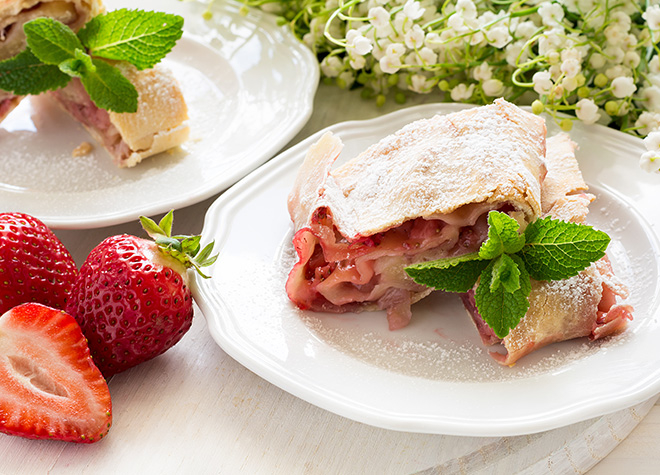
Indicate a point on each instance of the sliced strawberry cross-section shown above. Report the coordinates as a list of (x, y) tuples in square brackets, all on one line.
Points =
[(49, 385)]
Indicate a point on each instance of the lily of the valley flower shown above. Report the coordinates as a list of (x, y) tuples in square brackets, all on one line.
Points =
[(595, 59)]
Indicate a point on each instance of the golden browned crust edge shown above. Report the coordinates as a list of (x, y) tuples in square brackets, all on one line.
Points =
[(160, 121)]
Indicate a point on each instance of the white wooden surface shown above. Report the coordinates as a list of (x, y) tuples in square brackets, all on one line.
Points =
[(195, 410)]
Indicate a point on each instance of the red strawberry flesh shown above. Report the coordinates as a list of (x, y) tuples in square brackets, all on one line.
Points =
[(34, 265), (49, 385)]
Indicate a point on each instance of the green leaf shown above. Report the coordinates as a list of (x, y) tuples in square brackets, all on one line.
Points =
[(51, 41), (503, 236), (152, 229), (166, 222), (25, 74), (557, 250), (185, 249), (502, 310), (78, 66), (141, 38), (506, 273), (191, 244), (204, 257), (109, 89), (168, 243), (457, 274)]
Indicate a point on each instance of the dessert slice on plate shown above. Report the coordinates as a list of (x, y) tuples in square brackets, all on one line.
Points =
[(15, 13), (587, 304), (159, 124), (420, 194)]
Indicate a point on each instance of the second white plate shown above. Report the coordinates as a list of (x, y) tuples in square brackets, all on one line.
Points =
[(433, 376), (249, 85)]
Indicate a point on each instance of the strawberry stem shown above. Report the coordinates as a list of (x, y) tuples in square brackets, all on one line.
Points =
[(185, 249)]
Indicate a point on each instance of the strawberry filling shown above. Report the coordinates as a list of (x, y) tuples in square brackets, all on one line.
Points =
[(7, 103), (335, 274), (77, 102)]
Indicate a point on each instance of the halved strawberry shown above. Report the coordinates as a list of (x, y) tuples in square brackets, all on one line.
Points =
[(49, 386)]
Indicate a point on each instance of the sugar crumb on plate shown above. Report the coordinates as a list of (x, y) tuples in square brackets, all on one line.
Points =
[(85, 148)]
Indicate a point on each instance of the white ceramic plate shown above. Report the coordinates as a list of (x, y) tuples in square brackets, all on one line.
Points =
[(249, 85), (434, 375)]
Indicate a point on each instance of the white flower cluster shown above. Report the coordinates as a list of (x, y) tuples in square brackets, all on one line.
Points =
[(650, 160), (589, 60)]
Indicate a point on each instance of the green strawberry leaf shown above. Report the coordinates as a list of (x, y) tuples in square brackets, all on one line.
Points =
[(190, 244), (51, 41), (557, 250), (204, 257), (503, 236), (456, 274), (109, 89), (139, 37), (25, 74), (501, 309), (185, 249), (165, 224)]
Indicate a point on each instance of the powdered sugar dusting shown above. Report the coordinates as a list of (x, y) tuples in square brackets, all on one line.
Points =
[(487, 154), (441, 342), (444, 360)]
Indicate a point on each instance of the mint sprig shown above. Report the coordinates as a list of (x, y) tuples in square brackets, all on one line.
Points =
[(458, 274), (558, 250), (500, 303), (549, 249), (25, 74), (51, 41), (55, 54), (139, 37)]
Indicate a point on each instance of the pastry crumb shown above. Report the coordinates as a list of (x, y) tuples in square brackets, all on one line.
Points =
[(83, 149)]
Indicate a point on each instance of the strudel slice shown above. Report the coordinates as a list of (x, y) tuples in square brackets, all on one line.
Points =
[(159, 124), (589, 304), (420, 194)]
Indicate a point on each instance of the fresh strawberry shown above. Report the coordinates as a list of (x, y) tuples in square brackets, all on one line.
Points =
[(34, 265), (132, 297), (49, 385)]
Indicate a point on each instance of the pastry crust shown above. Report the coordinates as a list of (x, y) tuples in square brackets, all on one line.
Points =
[(583, 305), (13, 13), (432, 167), (160, 121), (563, 179)]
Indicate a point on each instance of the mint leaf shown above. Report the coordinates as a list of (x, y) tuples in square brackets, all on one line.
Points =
[(139, 37), (503, 236), (25, 74), (502, 310), (505, 273), (51, 41), (78, 66), (457, 274), (109, 89), (557, 250)]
